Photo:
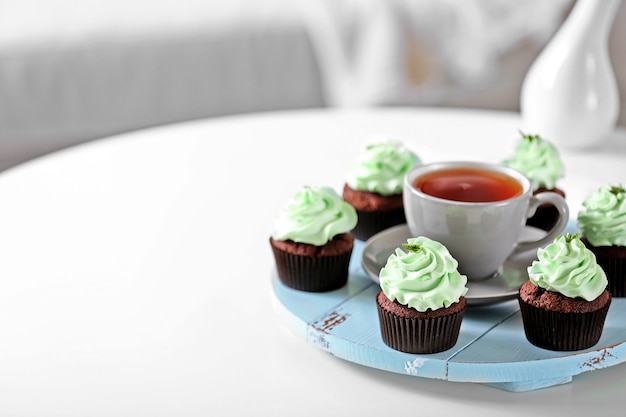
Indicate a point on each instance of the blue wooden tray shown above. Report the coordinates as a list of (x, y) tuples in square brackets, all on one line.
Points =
[(492, 348)]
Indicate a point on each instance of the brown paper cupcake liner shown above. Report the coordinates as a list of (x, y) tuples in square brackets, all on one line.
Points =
[(562, 331), (544, 218), (616, 275), (313, 274), (371, 222), (612, 259), (419, 335), (546, 215)]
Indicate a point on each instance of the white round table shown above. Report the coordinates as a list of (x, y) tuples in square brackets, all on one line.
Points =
[(136, 272)]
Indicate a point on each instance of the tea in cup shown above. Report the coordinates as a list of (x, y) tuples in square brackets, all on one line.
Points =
[(478, 210)]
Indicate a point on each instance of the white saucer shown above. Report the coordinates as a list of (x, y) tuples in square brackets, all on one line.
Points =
[(503, 286)]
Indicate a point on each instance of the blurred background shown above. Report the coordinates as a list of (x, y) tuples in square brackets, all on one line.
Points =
[(77, 70)]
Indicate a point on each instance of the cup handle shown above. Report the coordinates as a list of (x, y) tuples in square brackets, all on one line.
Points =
[(535, 201)]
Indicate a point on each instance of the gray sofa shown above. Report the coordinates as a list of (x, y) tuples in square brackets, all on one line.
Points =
[(72, 75)]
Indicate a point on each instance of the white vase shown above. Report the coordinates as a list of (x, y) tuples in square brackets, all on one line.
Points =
[(569, 95)]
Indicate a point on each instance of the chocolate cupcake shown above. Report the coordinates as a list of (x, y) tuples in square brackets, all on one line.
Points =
[(374, 187), (540, 161), (602, 222), (422, 298), (565, 302), (311, 242)]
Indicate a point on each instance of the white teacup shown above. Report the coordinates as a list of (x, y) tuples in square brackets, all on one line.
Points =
[(477, 210)]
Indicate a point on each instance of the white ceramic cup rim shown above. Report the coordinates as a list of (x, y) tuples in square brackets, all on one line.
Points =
[(426, 168)]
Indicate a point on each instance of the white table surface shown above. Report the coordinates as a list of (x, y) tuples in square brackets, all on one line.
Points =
[(135, 272)]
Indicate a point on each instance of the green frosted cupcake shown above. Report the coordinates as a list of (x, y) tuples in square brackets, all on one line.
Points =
[(602, 222), (422, 298), (374, 187), (541, 162), (564, 303), (311, 240)]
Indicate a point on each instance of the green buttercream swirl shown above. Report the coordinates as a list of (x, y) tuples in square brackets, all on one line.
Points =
[(602, 219), (314, 215), (566, 266), (539, 160), (425, 277), (381, 168)]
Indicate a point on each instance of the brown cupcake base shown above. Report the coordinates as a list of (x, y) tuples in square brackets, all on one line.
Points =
[(407, 330), (375, 212), (546, 215), (371, 222), (555, 322), (613, 260), (312, 268)]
